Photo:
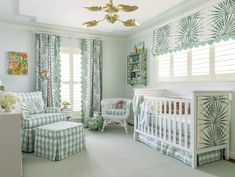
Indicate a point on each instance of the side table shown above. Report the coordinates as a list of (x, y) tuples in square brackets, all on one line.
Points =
[(67, 112)]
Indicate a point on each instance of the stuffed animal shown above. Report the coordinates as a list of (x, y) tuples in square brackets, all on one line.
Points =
[(120, 104), (95, 123)]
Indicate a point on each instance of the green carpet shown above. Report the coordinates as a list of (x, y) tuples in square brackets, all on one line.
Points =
[(115, 154)]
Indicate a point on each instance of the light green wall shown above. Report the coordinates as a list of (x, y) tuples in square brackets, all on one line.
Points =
[(17, 40), (23, 40)]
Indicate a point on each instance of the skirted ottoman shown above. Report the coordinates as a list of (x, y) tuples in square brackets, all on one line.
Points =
[(59, 140)]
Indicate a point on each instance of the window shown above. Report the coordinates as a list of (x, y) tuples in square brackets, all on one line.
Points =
[(209, 63), (200, 61), (181, 64), (70, 77), (164, 62), (225, 57)]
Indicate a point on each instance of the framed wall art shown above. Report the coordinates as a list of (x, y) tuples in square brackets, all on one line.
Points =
[(17, 63)]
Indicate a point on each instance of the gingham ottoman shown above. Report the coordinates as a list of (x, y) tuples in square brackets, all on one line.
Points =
[(59, 140)]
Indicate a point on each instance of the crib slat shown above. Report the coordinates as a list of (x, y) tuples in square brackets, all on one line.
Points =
[(175, 125), (169, 128), (160, 120), (156, 119), (164, 119), (180, 123), (152, 125), (186, 124)]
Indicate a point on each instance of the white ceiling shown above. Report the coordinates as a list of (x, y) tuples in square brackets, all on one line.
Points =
[(70, 14)]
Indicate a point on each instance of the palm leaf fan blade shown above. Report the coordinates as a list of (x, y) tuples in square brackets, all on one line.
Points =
[(127, 8), (94, 8)]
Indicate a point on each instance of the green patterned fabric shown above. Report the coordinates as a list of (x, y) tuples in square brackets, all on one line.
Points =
[(36, 120), (52, 110), (119, 112), (48, 59), (207, 26), (30, 121), (91, 80), (59, 140), (180, 154)]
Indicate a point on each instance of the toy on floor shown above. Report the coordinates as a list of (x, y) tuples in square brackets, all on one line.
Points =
[(96, 122)]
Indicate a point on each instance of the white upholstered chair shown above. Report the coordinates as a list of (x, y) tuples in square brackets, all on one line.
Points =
[(112, 115)]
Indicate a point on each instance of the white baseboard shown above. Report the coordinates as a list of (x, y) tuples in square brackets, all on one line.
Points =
[(232, 155)]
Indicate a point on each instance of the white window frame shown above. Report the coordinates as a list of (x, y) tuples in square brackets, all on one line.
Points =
[(71, 51), (211, 77)]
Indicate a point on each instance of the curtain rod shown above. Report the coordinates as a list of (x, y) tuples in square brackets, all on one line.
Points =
[(73, 36)]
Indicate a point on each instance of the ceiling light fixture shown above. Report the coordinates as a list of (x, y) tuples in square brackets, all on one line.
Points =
[(111, 15)]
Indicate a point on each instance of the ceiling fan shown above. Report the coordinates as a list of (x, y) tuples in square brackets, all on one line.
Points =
[(112, 15)]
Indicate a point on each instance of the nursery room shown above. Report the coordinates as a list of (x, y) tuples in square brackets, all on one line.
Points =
[(114, 88)]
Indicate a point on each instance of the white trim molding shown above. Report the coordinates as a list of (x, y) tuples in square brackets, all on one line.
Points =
[(64, 32)]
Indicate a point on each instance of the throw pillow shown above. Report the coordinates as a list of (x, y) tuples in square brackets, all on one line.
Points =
[(120, 104), (27, 107), (38, 107)]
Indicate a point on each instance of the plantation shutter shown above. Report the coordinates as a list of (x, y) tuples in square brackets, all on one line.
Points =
[(225, 57), (200, 61), (77, 82), (181, 64), (65, 77), (164, 63)]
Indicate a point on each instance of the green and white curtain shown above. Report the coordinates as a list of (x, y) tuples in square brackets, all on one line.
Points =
[(91, 81), (207, 26), (48, 60)]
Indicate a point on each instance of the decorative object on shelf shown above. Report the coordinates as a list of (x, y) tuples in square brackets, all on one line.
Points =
[(137, 68), (96, 122), (8, 100), (65, 104), (139, 47), (17, 63), (111, 15), (2, 88)]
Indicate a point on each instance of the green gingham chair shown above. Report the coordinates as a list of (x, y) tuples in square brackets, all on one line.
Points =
[(42, 116)]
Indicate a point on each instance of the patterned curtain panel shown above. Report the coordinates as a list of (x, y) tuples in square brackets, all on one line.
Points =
[(207, 26), (48, 68), (91, 78)]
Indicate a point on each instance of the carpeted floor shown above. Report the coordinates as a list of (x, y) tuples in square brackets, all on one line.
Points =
[(115, 154)]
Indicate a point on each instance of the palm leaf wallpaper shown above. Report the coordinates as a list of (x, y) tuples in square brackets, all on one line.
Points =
[(213, 120), (209, 25), (189, 30)]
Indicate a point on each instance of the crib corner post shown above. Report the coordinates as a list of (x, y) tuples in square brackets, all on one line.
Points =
[(227, 153), (194, 160), (135, 133)]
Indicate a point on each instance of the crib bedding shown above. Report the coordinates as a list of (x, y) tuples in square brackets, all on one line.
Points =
[(180, 154), (172, 151)]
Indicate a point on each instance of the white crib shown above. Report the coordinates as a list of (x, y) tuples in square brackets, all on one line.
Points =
[(183, 123)]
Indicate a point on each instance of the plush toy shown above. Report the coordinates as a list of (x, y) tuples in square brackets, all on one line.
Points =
[(95, 123), (120, 104)]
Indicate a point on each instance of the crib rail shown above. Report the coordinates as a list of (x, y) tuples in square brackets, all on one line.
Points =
[(166, 119)]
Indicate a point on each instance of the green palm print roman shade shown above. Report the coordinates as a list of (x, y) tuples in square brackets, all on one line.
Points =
[(207, 26)]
